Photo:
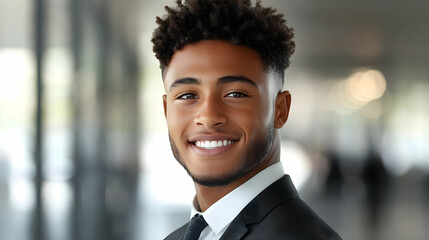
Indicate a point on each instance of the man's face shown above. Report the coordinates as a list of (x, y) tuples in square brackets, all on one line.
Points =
[(219, 106)]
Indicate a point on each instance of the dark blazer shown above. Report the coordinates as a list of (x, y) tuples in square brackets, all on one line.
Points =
[(277, 213)]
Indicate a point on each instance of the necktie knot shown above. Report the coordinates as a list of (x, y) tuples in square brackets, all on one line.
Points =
[(195, 227)]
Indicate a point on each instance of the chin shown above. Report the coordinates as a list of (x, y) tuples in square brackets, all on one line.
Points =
[(213, 179)]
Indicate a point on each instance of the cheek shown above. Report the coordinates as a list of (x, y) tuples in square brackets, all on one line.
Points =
[(253, 119), (177, 120), (262, 112)]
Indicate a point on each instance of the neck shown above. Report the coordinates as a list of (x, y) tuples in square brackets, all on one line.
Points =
[(208, 195)]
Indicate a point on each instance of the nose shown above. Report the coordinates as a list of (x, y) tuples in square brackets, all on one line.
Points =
[(211, 114)]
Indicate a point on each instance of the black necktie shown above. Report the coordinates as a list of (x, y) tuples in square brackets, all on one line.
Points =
[(195, 227)]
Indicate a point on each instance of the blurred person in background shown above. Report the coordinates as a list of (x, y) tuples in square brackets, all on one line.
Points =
[(377, 181), (223, 66)]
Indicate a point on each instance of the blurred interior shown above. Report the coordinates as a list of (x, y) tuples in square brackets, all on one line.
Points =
[(84, 151)]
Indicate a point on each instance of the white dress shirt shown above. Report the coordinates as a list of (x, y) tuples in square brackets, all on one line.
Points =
[(221, 213)]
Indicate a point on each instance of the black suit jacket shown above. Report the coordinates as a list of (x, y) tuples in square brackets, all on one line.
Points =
[(277, 213)]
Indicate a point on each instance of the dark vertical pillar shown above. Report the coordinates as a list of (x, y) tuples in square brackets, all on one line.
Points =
[(76, 14), (103, 102), (132, 101), (102, 51), (39, 39)]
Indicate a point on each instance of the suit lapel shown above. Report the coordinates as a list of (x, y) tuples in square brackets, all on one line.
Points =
[(280, 191), (236, 230)]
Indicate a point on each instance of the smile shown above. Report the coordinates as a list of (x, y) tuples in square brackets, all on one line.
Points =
[(213, 144)]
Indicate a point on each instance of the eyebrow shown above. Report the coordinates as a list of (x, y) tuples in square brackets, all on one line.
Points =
[(222, 80), (231, 79), (182, 81)]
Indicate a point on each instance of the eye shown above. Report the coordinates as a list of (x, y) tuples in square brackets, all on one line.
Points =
[(236, 95), (187, 96)]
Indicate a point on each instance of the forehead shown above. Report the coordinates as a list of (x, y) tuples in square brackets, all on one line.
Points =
[(212, 59)]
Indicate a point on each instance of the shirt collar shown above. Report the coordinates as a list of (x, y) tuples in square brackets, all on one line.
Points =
[(221, 213)]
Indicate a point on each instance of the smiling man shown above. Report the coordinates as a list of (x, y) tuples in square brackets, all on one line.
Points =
[(223, 63)]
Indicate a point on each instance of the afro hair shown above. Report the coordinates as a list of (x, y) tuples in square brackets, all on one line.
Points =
[(234, 21)]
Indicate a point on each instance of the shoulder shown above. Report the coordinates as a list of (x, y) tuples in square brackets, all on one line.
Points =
[(293, 219), (177, 234), (278, 212)]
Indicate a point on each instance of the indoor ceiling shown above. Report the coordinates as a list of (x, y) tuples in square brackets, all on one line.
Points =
[(335, 36)]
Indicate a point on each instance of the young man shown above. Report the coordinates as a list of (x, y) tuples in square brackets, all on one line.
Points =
[(222, 64)]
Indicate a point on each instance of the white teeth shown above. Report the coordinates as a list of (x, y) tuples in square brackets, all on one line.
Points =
[(212, 144)]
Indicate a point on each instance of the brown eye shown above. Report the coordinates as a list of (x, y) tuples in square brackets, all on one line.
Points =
[(187, 96), (237, 95)]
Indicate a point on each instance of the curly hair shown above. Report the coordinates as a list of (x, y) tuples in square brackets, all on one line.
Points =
[(234, 21)]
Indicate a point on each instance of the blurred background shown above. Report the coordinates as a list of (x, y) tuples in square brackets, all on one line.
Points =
[(84, 152)]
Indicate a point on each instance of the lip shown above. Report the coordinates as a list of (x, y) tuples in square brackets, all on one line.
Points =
[(206, 137), (215, 151), (211, 152)]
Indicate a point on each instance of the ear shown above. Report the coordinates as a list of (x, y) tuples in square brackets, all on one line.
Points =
[(164, 102), (282, 107)]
